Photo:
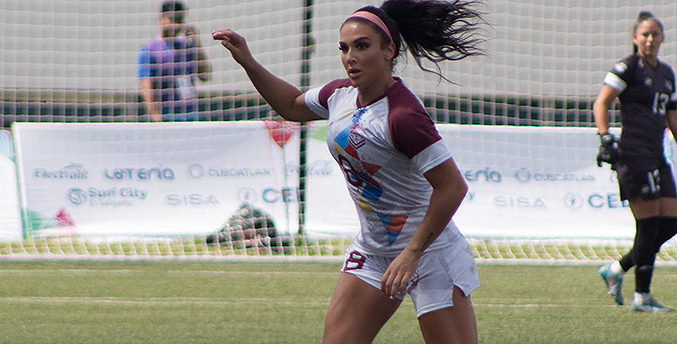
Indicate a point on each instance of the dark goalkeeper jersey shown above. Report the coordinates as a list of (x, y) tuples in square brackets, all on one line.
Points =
[(647, 92)]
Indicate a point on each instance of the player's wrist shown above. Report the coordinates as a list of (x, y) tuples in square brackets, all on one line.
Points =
[(606, 138)]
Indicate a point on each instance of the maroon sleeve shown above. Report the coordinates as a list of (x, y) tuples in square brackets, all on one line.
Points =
[(411, 128), (328, 89)]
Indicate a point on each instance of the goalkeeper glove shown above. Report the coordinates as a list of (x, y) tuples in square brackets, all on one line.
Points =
[(608, 150)]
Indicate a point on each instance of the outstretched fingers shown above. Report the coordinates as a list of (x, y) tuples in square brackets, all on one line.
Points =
[(236, 44)]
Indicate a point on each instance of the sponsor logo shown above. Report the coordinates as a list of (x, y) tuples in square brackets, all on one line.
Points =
[(193, 199), (519, 202), (77, 196), (72, 171), (487, 175), (596, 201), (130, 173), (284, 195), (523, 175), (110, 197), (247, 196), (609, 200), (317, 168), (573, 200), (268, 195), (356, 140), (197, 171)]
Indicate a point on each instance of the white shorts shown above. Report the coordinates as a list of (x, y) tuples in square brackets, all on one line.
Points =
[(432, 285)]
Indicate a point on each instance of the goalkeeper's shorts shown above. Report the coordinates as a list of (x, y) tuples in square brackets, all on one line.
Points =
[(432, 285), (644, 178)]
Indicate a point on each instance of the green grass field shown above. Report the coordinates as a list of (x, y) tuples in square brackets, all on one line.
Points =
[(221, 302)]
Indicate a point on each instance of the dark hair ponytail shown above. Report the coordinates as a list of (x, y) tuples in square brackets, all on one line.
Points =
[(432, 29), (644, 16)]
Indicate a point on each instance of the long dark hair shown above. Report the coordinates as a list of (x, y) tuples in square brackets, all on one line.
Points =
[(431, 29), (644, 16)]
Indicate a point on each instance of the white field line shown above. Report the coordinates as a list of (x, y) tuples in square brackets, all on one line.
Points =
[(178, 272), (188, 301), (660, 274), (170, 301)]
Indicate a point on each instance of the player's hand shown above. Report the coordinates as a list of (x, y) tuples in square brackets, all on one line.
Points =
[(399, 272), (236, 44), (608, 150)]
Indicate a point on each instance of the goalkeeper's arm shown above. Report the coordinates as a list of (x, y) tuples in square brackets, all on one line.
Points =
[(608, 150), (671, 116)]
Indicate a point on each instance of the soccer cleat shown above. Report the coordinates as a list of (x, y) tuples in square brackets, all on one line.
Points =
[(650, 306), (614, 283)]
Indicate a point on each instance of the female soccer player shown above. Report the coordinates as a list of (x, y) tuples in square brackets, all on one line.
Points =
[(645, 87), (400, 174)]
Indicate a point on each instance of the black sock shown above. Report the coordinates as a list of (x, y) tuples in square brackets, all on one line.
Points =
[(627, 262), (644, 252), (668, 228)]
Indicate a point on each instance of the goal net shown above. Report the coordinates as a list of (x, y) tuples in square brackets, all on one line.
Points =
[(73, 65)]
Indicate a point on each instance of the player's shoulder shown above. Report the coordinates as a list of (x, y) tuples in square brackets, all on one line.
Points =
[(666, 68), (337, 84), (403, 104), (626, 64), (330, 88)]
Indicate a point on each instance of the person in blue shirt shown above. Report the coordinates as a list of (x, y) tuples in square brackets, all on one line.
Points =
[(169, 65)]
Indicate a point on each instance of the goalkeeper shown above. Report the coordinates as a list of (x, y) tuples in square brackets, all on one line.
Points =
[(399, 172), (645, 87)]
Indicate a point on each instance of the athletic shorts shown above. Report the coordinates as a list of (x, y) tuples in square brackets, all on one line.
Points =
[(645, 178), (432, 285)]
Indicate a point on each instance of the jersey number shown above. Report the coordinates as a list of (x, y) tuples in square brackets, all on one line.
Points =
[(352, 176), (659, 102)]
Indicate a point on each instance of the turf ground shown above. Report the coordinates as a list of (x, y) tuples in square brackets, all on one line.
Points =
[(219, 302)]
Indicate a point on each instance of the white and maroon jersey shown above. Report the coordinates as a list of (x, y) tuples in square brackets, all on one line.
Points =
[(383, 149)]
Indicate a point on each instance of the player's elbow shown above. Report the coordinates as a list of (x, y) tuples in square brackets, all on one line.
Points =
[(462, 188)]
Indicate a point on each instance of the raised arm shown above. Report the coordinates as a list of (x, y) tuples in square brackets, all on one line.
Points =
[(204, 67), (286, 99)]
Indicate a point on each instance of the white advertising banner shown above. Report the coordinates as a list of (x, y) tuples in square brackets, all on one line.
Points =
[(524, 182), (10, 217), (189, 178), (154, 179), (536, 182)]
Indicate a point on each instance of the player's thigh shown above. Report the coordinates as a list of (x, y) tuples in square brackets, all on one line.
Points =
[(357, 311), (455, 324), (642, 208), (668, 207)]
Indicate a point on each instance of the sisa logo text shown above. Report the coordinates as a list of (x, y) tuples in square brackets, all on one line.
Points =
[(191, 200), (519, 202)]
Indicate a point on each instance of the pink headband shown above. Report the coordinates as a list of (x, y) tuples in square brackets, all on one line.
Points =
[(374, 19)]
